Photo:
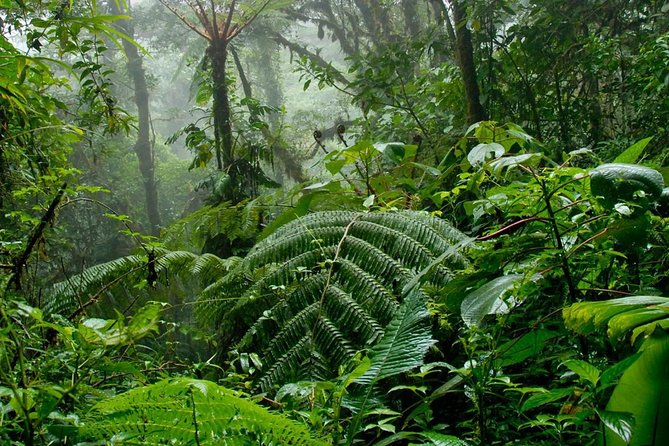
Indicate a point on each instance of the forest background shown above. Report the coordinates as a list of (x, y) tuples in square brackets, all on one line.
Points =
[(438, 222)]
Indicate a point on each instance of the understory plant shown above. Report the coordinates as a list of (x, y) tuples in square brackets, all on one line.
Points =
[(541, 224)]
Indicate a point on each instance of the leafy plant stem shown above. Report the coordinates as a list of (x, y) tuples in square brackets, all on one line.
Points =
[(585, 242), (195, 426), (556, 235), (29, 429)]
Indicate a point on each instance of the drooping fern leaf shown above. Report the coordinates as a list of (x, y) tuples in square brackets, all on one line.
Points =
[(403, 346), (635, 315), (97, 281), (237, 222), (189, 412), (321, 288)]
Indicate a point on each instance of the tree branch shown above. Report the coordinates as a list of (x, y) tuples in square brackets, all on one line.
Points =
[(255, 15), (228, 21), (48, 216), (294, 47), (184, 20)]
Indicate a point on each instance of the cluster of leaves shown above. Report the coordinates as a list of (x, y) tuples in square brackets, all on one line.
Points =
[(377, 327)]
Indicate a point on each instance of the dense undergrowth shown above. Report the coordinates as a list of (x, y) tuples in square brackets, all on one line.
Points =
[(471, 285)]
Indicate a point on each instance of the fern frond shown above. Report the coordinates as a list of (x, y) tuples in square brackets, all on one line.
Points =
[(189, 411), (402, 348), (67, 296), (191, 232), (325, 286)]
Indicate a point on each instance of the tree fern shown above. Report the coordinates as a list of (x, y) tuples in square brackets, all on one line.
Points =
[(321, 288), (186, 411), (235, 221)]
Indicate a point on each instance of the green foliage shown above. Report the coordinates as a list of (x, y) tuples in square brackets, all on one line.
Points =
[(189, 411), (237, 223), (380, 329), (54, 46), (325, 286), (638, 315), (541, 225), (53, 369), (643, 393), (405, 341), (75, 294), (618, 182), (487, 300)]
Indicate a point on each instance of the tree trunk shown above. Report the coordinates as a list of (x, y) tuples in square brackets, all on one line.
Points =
[(218, 54), (465, 56), (442, 20), (292, 165), (411, 17), (143, 146)]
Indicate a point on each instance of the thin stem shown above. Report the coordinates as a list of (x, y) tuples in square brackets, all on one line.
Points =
[(197, 432)]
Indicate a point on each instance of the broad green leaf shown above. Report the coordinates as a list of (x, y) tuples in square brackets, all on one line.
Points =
[(427, 169), (519, 349), (487, 300), (550, 396), (638, 320), (447, 387), (369, 201), (643, 391), (583, 369), (586, 317), (334, 165), (632, 153), (509, 162), (481, 152), (620, 423), (316, 185), (394, 151), (611, 374)]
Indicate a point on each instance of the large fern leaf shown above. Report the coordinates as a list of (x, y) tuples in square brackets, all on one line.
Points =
[(638, 315), (99, 281), (326, 286), (403, 346), (189, 412)]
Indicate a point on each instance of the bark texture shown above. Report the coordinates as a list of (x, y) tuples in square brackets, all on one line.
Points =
[(143, 146), (465, 56)]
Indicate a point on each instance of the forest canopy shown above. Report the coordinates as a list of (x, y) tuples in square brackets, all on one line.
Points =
[(334, 222)]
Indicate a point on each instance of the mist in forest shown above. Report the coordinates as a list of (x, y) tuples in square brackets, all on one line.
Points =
[(334, 222)]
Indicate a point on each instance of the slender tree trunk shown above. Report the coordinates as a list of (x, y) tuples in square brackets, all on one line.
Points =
[(465, 56), (442, 20), (292, 165), (143, 146), (411, 17), (218, 54)]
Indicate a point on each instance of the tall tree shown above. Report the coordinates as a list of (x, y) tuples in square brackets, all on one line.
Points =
[(465, 56), (144, 146), (219, 22)]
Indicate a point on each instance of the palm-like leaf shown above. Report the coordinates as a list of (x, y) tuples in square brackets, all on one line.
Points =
[(94, 282), (636, 314), (402, 348)]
